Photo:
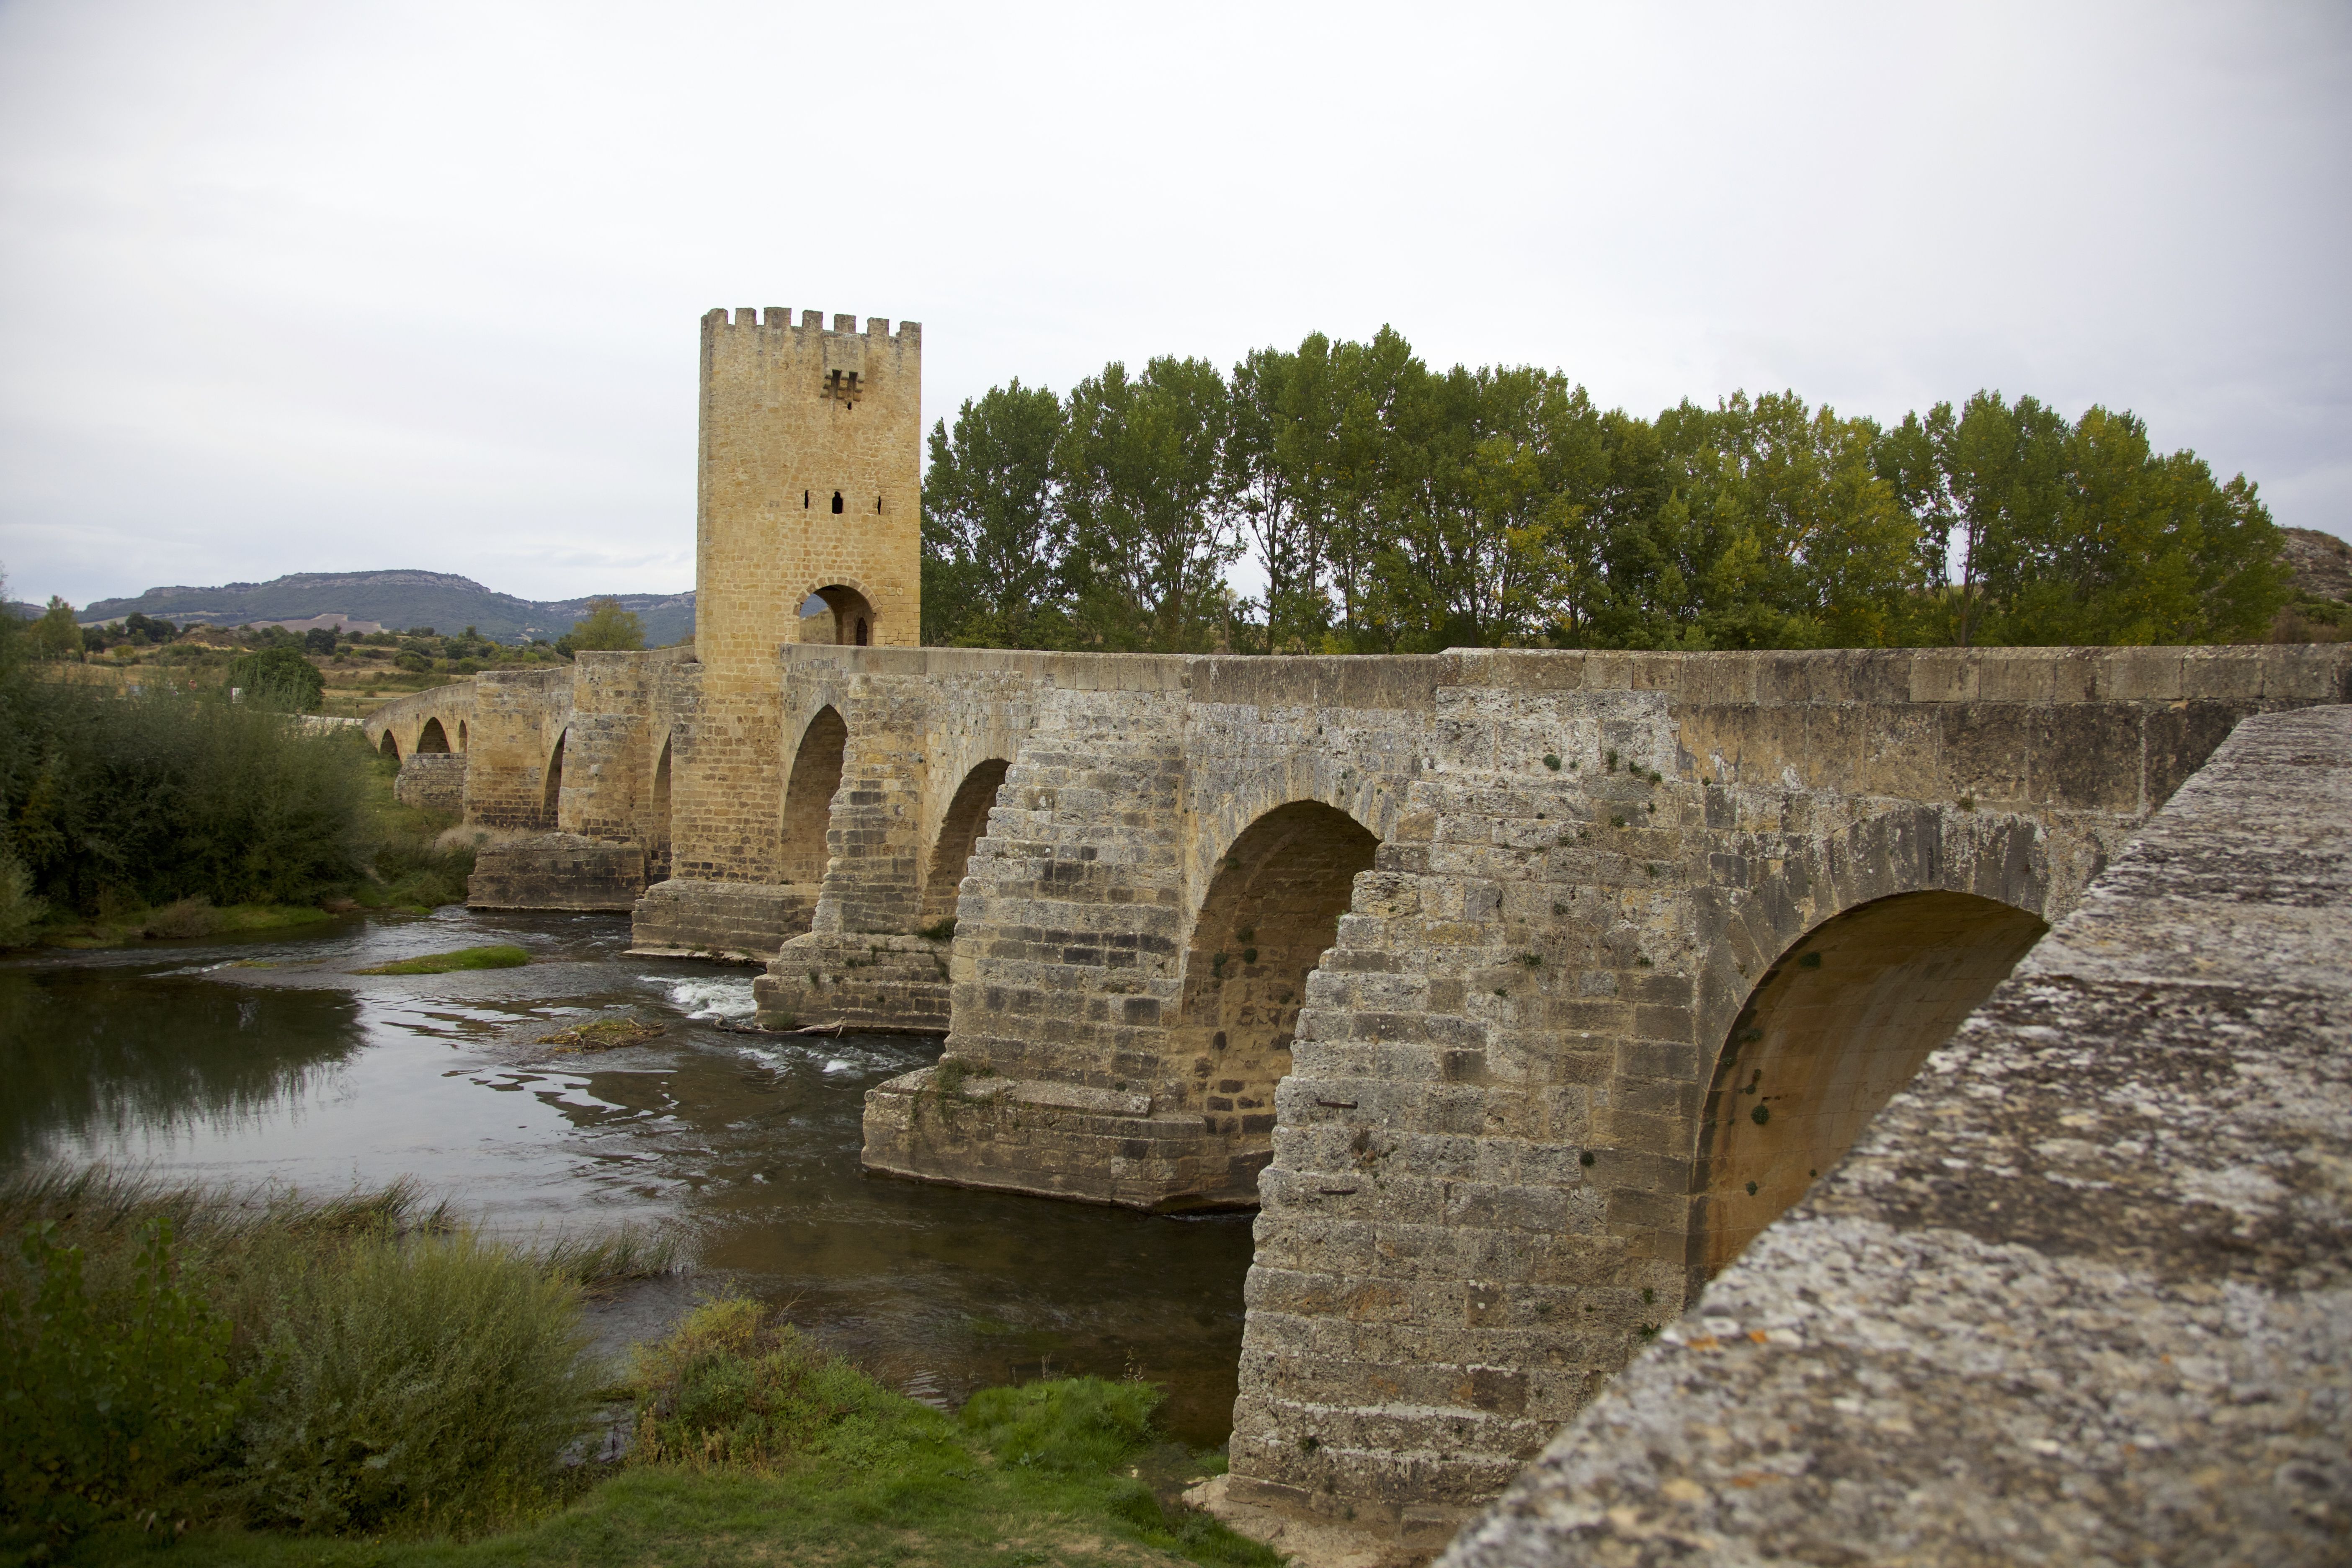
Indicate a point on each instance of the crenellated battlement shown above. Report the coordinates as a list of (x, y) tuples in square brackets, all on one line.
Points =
[(778, 318)]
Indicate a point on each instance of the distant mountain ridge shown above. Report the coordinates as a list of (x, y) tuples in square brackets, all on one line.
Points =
[(442, 600)]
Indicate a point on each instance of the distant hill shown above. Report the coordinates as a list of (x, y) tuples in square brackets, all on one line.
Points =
[(399, 600)]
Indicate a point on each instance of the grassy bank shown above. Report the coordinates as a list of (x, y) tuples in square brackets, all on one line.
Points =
[(363, 1382)]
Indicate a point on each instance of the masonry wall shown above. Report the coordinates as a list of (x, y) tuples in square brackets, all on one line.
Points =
[(2078, 1296)]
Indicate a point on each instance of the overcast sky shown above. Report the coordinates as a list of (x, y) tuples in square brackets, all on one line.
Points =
[(303, 287)]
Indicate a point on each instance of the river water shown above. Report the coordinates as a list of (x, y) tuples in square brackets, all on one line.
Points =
[(258, 1062)]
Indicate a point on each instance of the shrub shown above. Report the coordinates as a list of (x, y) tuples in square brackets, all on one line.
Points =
[(734, 1386), (169, 795), (424, 1377), (107, 1401), (20, 911), (280, 677)]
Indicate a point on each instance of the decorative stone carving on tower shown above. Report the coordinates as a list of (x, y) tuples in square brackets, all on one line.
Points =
[(810, 489)]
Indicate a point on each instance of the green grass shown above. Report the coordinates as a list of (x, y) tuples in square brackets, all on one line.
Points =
[(496, 956), (755, 1445), (360, 1364), (195, 917)]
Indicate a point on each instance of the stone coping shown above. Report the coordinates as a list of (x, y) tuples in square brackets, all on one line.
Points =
[(2312, 673), (2083, 1294)]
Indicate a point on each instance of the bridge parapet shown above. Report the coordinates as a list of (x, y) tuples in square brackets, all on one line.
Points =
[(2078, 1294)]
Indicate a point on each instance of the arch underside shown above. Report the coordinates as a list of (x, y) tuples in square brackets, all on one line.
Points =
[(1831, 1032), (1271, 912), (961, 827), (808, 796)]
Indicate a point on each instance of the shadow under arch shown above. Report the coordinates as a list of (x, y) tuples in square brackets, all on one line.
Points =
[(657, 834), (808, 795), (1835, 1027), (960, 830), (432, 739), (551, 799), (1270, 914), (389, 746)]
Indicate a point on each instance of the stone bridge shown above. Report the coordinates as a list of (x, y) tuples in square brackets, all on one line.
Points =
[(1518, 989)]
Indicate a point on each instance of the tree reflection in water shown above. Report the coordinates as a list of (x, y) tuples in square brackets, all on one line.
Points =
[(91, 1052)]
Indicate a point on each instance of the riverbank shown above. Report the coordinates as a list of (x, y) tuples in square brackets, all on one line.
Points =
[(362, 1380)]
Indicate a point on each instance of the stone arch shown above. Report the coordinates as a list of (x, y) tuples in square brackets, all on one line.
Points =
[(433, 738), (1271, 910), (1841, 1020), (1370, 797), (658, 826), (960, 829), (551, 796), (848, 617), (808, 795), (389, 746), (461, 734)]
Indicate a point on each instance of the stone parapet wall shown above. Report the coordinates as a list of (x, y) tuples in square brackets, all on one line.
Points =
[(2079, 1294), (556, 871), (435, 781)]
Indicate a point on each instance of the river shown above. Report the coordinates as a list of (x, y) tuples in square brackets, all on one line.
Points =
[(267, 1061)]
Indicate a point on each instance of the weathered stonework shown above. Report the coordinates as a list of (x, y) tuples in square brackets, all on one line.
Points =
[(557, 871), (2083, 1294), (434, 781)]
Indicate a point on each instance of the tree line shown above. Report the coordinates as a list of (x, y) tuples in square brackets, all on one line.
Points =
[(1391, 508)]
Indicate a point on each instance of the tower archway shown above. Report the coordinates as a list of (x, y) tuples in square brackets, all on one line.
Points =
[(837, 613), (1830, 1032), (808, 795), (960, 829)]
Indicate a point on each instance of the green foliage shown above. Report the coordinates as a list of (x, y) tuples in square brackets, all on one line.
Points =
[(1391, 507), (106, 1403), (496, 956), (20, 911), (55, 636), (731, 1385), (146, 799), (1140, 466), (993, 535), (415, 1377), (605, 626), (280, 677), (355, 1362)]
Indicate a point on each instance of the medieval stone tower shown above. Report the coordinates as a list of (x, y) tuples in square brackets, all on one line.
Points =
[(810, 489)]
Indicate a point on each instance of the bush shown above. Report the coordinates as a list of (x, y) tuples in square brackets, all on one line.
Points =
[(425, 1378), (280, 677), (386, 1366), (106, 1400), (150, 799), (20, 911), (731, 1386)]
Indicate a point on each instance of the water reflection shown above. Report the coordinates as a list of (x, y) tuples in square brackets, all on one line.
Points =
[(86, 1054), (287, 1066)]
